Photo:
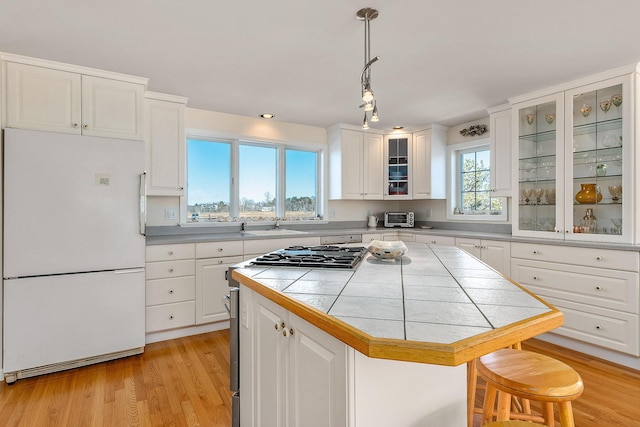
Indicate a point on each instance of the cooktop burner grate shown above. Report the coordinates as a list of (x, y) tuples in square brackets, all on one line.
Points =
[(314, 256)]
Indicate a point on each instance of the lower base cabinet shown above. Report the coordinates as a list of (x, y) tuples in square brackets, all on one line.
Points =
[(212, 287), (496, 254), (299, 372)]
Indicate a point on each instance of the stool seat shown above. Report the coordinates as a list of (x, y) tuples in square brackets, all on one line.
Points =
[(515, 423), (531, 375)]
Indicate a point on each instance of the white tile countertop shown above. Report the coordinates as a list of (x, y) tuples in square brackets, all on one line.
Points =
[(437, 304)]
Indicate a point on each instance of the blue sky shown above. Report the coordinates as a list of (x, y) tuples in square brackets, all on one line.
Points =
[(208, 175)]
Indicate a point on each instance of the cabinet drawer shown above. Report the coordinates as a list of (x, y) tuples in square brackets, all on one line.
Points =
[(164, 291), (170, 252), (218, 249), (589, 257), (612, 289), (166, 269), (436, 240), (170, 316), (599, 326)]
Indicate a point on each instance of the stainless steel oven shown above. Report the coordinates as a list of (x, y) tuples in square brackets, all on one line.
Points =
[(232, 303)]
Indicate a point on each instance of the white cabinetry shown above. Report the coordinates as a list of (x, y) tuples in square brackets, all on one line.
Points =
[(428, 177), (436, 240), (53, 97), (170, 286), (165, 139), (369, 237), (298, 375), (572, 149), (494, 253), (596, 289), (212, 261), (398, 167), (500, 140), (355, 165)]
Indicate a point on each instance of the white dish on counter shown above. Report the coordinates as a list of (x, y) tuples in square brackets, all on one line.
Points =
[(387, 250)]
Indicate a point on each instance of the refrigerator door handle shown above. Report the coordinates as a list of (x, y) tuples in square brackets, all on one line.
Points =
[(143, 203)]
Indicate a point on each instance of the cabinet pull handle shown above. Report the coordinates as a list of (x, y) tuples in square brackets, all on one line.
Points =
[(598, 288), (598, 327), (291, 331), (276, 326), (171, 270), (283, 325), (171, 317), (433, 242), (284, 333), (170, 291)]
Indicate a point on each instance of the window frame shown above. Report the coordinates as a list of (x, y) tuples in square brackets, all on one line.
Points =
[(281, 146), (454, 152)]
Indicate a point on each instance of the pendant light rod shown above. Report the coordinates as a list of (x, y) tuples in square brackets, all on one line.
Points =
[(367, 15)]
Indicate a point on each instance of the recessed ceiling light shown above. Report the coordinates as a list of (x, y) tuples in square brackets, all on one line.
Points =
[(267, 116), (398, 127)]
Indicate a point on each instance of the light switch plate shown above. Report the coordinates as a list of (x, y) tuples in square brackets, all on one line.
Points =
[(170, 214)]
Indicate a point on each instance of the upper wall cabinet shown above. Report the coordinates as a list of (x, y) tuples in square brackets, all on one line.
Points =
[(500, 140), (355, 165), (56, 99), (165, 139), (428, 180), (398, 156), (574, 162)]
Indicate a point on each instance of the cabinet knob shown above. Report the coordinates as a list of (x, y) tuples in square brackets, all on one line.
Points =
[(598, 258), (598, 288), (291, 331), (283, 325), (75, 125), (171, 317), (220, 249), (170, 252), (220, 261), (170, 291), (171, 270), (85, 126), (433, 242), (535, 252), (276, 326), (598, 327), (181, 188), (284, 333)]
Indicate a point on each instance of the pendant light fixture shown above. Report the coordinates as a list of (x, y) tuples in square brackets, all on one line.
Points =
[(367, 15)]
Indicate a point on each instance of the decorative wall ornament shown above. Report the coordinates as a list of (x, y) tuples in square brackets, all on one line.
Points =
[(474, 130)]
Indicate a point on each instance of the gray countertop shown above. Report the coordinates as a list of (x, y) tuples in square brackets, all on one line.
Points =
[(434, 295)]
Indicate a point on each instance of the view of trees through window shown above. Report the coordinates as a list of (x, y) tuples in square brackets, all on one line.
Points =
[(209, 189), (475, 184)]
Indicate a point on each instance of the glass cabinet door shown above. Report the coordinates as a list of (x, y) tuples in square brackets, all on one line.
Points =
[(596, 125), (398, 166), (539, 163)]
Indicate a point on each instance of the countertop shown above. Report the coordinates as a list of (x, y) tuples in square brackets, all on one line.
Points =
[(437, 304)]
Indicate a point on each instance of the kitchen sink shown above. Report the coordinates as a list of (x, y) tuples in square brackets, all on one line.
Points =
[(274, 232)]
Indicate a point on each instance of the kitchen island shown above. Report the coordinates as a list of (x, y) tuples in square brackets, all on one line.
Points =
[(383, 344)]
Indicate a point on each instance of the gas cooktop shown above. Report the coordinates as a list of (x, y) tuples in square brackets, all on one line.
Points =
[(314, 256)]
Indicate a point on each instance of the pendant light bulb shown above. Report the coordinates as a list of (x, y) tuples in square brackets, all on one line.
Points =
[(365, 124), (368, 106), (374, 114), (367, 93)]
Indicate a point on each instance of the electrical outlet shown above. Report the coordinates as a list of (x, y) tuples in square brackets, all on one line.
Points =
[(332, 213), (169, 214)]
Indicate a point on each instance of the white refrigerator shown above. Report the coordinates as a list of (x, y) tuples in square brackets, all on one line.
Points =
[(74, 251)]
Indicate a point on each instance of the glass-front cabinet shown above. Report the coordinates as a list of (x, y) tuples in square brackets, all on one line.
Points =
[(398, 166), (574, 169)]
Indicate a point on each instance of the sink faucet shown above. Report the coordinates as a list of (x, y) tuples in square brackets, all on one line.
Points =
[(242, 226), (277, 226)]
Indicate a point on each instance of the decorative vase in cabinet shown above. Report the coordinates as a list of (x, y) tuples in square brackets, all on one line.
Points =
[(588, 194)]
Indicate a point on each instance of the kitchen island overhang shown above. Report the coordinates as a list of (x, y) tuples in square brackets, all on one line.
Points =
[(421, 351)]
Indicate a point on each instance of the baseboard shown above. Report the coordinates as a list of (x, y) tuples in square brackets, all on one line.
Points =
[(185, 332)]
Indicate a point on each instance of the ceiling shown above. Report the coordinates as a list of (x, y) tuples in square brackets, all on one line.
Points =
[(442, 61)]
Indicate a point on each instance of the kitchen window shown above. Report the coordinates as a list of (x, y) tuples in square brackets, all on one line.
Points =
[(234, 180), (471, 197)]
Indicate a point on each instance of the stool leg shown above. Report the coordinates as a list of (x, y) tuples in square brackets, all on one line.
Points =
[(566, 414), (547, 413), (472, 382), (504, 406), (489, 403)]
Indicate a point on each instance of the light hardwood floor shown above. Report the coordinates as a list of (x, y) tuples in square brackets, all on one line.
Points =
[(184, 382)]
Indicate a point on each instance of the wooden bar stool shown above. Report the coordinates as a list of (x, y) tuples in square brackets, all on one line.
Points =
[(531, 376), (515, 423)]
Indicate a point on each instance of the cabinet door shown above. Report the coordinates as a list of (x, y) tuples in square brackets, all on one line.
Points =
[(471, 246), (436, 240), (43, 99), (317, 377), (497, 255), (165, 139), (269, 384), (398, 168), (538, 168), (112, 108), (373, 166), (351, 171), (500, 137), (211, 287)]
